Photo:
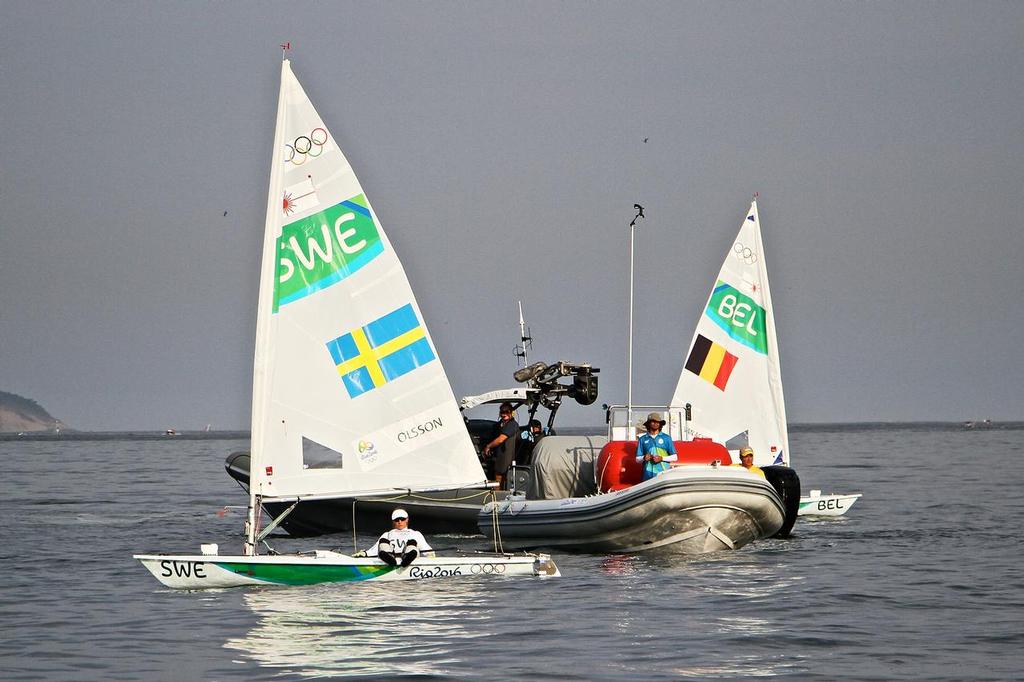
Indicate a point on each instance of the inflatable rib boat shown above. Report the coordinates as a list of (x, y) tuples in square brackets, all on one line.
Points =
[(700, 505)]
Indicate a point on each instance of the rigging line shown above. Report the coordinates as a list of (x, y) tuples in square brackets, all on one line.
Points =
[(424, 497), (495, 525), (601, 478), (355, 547)]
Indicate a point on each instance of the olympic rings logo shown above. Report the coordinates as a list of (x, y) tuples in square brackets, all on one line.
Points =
[(744, 253), (487, 568), (305, 147)]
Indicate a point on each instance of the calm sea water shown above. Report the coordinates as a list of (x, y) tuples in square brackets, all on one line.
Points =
[(923, 580)]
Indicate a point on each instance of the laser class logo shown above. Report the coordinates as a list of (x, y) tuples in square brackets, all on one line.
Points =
[(381, 351), (323, 249), (739, 316)]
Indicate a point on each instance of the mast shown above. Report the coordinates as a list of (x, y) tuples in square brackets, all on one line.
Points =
[(263, 313), (629, 364)]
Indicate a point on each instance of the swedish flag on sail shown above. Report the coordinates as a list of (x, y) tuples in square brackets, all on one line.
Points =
[(381, 351)]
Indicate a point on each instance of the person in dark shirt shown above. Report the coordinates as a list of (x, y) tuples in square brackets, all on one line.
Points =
[(536, 430), (503, 448), (528, 440)]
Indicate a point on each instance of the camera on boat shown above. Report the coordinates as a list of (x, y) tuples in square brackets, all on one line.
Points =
[(584, 385), (544, 377)]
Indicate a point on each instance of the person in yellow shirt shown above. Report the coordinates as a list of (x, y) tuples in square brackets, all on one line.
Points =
[(747, 462)]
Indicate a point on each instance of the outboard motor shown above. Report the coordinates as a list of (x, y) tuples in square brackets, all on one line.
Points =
[(787, 485)]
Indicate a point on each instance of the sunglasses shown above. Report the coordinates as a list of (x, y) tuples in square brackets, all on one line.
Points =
[(401, 518)]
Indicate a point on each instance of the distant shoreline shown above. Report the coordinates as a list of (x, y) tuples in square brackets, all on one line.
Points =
[(566, 430), (123, 435)]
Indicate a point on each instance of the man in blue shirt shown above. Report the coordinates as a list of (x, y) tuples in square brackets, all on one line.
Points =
[(655, 449)]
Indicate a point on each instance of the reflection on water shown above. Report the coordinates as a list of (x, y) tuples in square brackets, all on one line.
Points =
[(621, 565), (366, 628)]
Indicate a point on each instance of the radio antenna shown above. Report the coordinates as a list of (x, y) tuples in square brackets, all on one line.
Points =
[(525, 340)]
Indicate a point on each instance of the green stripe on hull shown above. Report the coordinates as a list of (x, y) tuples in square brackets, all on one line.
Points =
[(304, 574)]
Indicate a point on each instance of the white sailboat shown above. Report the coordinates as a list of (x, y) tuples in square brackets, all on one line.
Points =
[(831, 504), (349, 396), (731, 375)]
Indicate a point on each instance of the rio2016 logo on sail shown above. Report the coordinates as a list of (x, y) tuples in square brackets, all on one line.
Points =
[(739, 316), (324, 248)]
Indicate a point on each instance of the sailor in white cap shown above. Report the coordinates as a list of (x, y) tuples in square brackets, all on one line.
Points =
[(401, 544)]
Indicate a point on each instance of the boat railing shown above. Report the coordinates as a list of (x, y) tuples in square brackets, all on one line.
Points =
[(627, 422)]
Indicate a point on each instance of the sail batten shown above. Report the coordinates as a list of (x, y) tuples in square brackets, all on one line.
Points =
[(349, 395), (731, 374)]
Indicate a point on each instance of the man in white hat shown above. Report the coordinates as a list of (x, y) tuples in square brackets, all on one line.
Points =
[(655, 449), (401, 544)]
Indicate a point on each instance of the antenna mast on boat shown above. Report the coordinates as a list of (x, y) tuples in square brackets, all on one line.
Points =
[(629, 364), (525, 339)]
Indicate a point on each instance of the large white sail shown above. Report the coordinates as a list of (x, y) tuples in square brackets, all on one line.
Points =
[(349, 395), (731, 374)]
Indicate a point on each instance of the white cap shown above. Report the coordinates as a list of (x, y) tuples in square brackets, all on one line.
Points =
[(399, 514)]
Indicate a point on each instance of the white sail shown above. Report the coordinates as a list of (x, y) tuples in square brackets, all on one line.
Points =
[(731, 372), (349, 395)]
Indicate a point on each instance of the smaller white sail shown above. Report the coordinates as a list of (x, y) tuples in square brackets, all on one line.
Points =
[(731, 373), (349, 395)]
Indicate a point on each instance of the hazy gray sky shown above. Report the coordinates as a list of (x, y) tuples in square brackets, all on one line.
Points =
[(502, 148)]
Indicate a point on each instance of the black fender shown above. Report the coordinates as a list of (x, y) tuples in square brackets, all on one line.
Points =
[(787, 485)]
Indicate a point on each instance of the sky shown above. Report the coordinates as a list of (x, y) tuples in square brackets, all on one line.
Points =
[(503, 147)]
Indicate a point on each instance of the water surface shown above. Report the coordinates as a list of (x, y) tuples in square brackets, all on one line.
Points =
[(922, 580)]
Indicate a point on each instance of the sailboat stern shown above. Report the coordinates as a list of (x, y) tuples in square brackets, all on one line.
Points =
[(544, 567)]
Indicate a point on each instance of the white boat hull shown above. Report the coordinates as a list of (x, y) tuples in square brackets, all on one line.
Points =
[(826, 505), (203, 571), (694, 509)]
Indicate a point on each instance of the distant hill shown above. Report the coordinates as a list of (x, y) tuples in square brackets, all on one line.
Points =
[(19, 414)]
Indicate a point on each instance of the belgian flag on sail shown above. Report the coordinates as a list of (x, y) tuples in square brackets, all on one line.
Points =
[(711, 362)]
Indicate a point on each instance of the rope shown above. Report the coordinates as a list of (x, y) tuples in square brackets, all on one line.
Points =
[(495, 526), (600, 478), (409, 494)]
